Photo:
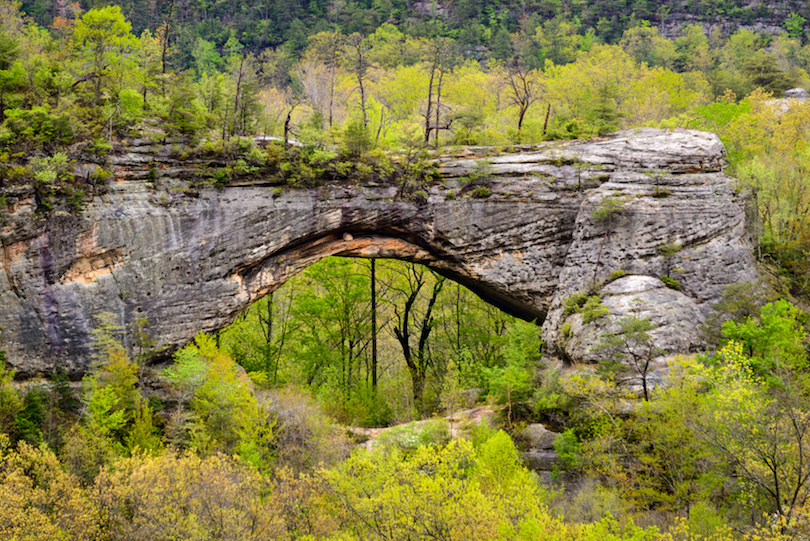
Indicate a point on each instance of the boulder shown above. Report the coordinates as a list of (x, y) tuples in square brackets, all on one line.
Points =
[(797, 93)]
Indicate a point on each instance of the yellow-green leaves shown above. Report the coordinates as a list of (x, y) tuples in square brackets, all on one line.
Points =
[(218, 411)]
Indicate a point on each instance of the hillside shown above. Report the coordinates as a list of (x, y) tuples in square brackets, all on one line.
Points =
[(479, 26)]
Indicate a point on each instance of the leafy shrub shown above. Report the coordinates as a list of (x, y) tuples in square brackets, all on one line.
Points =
[(593, 503), (566, 330), (131, 111), (100, 147), (589, 305), (218, 411), (10, 402), (593, 309), (356, 138), (37, 127), (186, 497), (671, 283), (32, 415), (574, 303), (481, 192), (40, 499)]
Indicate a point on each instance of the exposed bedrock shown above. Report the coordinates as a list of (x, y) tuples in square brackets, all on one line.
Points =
[(191, 261)]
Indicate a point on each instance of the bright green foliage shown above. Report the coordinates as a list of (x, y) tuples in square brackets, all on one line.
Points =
[(116, 419), (775, 341), (708, 425), (652, 457), (437, 492), (206, 57), (224, 413), (455, 492), (608, 208), (105, 37), (463, 337), (761, 433), (104, 417), (589, 305), (574, 303), (593, 309), (10, 402), (512, 382), (646, 46), (187, 497), (795, 25), (590, 90), (35, 127), (12, 74)]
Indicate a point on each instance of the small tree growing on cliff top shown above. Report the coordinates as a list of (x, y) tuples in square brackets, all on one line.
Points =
[(604, 213)]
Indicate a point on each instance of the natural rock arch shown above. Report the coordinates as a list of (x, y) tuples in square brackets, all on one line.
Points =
[(190, 262)]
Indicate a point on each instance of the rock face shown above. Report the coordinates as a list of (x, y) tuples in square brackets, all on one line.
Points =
[(539, 455), (190, 261), (797, 93)]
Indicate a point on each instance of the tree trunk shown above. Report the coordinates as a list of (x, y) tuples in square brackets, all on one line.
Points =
[(164, 52), (438, 107), (428, 112), (418, 382), (374, 325)]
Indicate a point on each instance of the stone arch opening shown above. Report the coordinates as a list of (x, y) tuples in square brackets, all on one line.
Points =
[(273, 271), (317, 331)]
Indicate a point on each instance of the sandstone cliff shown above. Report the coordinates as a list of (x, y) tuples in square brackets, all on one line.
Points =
[(190, 261)]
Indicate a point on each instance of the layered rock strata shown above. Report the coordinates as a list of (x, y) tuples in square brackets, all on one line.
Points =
[(191, 260)]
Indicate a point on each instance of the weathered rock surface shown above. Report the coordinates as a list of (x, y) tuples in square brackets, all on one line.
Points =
[(537, 436), (797, 93), (190, 261), (675, 316)]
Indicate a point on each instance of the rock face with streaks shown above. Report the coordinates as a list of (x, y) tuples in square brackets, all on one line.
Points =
[(190, 261)]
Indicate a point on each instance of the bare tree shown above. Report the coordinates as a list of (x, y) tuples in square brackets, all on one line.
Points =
[(523, 89), (315, 83), (413, 326), (355, 55), (326, 48), (440, 61)]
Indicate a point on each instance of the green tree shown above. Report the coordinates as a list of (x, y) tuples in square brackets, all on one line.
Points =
[(795, 25), (761, 430), (225, 415), (512, 382), (646, 46), (104, 36), (774, 341), (11, 403), (206, 58), (12, 74), (764, 72)]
